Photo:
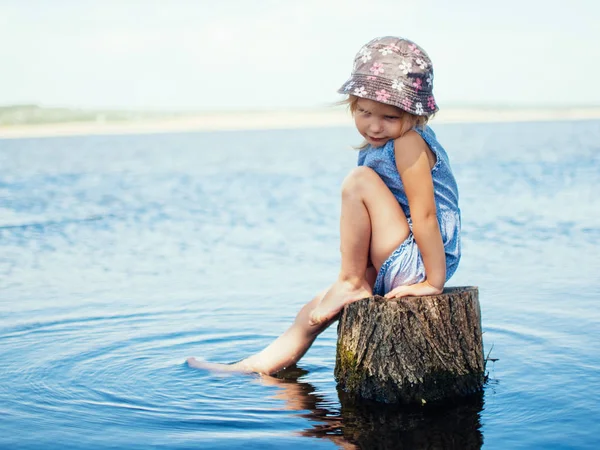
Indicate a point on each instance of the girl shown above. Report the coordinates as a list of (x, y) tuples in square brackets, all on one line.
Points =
[(400, 221)]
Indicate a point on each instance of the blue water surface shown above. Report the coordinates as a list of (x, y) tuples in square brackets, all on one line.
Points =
[(120, 256)]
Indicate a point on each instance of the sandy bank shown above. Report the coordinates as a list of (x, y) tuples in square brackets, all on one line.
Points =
[(284, 119)]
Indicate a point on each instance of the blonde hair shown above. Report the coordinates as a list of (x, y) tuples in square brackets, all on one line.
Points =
[(409, 121)]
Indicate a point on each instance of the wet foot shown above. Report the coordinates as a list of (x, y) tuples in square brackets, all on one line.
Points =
[(239, 367), (340, 294)]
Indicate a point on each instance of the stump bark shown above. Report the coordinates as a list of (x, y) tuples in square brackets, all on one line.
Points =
[(412, 350)]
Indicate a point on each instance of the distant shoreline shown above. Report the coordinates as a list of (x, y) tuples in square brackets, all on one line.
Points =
[(265, 120)]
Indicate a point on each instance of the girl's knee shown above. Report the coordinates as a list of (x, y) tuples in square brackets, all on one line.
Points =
[(358, 178)]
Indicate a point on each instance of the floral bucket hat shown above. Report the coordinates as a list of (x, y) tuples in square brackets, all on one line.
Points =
[(394, 71)]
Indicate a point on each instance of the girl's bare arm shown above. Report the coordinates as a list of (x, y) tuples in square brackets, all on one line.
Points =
[(414, 162)]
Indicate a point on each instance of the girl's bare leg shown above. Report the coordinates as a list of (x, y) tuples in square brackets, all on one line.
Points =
[(288, 348), (283, 351), (372, 225)]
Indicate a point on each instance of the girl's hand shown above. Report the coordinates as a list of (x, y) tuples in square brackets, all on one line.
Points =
[(414, 290)]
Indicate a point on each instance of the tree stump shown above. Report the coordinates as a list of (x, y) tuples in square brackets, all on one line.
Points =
[(412, 350)]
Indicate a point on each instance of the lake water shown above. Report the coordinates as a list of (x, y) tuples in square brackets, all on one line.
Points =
[(120, 256)]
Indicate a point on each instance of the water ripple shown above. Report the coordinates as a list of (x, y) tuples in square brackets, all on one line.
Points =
[(121, 256)]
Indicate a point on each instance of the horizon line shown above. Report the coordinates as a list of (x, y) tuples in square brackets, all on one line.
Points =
[(322, 107)]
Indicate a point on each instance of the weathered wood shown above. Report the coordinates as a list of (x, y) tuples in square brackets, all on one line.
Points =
[(412, 349)]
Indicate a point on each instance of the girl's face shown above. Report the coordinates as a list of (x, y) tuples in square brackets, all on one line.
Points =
[(378, 122)]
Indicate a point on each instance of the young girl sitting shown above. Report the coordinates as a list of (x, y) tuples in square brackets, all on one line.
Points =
[(400, 221)]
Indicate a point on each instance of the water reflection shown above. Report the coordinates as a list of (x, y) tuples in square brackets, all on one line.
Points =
[(358, 425)]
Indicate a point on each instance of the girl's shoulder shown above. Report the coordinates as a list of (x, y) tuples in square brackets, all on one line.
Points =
[(427, 134), (410, 142), (430, 139)]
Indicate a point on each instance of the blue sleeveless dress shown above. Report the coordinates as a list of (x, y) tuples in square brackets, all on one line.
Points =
[(405, 265)]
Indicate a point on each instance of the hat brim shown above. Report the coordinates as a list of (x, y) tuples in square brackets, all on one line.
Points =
[(408, 98)]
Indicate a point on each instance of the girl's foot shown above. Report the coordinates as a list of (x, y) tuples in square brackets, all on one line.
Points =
[(339, 295), (239, 367)]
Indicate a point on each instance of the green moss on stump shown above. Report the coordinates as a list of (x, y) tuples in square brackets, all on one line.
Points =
[(347, 367)]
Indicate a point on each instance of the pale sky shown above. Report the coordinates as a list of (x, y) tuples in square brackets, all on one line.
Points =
[(253, 54)]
